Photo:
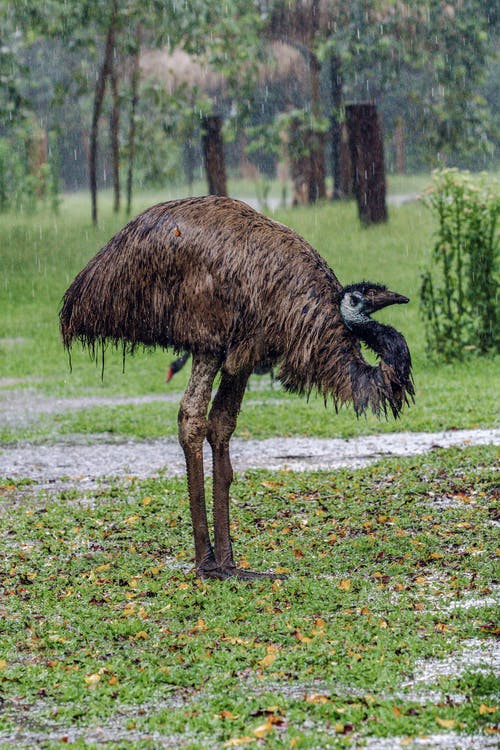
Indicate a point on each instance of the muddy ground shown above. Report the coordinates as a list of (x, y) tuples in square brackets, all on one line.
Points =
[(92, 457), (81, 461)]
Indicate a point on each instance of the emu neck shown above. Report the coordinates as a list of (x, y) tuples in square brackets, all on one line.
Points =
[(387, 343)]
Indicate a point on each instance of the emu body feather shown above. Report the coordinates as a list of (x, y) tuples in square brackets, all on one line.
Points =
[(213, 277)]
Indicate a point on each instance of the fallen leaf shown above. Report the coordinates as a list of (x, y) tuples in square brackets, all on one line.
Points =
[(316, 698), (267, 660), (92, 679), (484, 709), (345, 585), (263, 729), (446, 723), (302, 638), (237, 741)]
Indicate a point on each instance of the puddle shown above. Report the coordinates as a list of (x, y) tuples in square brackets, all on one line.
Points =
[(483, 657), (79, 461), (450, 741)]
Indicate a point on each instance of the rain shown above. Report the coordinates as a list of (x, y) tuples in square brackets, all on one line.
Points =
[(213, 184)]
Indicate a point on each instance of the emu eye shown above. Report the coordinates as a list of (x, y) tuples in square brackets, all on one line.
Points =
[(353, 301)]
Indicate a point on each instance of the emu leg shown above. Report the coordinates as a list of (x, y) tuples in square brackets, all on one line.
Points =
[(221, 425), (192, 422)]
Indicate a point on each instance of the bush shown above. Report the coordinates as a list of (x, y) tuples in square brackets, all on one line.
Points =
[(458, 294), (24, 181)]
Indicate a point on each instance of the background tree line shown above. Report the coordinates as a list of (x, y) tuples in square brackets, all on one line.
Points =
[(115, 92)]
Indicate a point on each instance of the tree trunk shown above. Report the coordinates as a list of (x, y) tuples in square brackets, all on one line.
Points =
[(114, 128), (399, 145), (38, 151), (367, 150), (316, 142), (100, 87), (335, 125), (346, 178), (213, 154), (317, 176), (134, 94)]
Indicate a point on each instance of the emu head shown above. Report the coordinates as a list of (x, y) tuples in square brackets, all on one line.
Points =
[(359, 301)]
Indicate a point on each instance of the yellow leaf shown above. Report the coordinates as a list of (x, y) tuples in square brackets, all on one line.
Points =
[(317, 698), (183, 586), (484, 709), (237, 741), (263, 729), (446, 723), (302, 638), (345, 585), (131, 519), (3, 664), (396, 711), (147, 500), (92, 679), (141, 635), (113, 680), (267, 660)]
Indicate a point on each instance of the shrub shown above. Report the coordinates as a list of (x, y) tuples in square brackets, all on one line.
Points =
[(458, 293), (24, 181)]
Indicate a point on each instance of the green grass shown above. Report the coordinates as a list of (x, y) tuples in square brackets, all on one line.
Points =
[(106, 637), (41, 254), (103, 625)]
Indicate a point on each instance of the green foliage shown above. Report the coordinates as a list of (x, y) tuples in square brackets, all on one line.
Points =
[(459, 293), (23, 182)]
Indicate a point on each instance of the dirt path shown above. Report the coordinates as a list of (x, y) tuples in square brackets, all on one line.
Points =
[(101, 457)]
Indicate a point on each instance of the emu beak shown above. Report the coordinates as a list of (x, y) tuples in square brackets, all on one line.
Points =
[(380, 299)]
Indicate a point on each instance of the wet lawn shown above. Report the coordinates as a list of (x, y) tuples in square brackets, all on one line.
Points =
[(41, 254), (385, 626)]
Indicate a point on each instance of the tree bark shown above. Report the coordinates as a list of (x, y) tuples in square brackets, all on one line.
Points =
[(367, 152), (346, 178), (134, 93), (399, 145), (336, 84), (114, 127), (100, 88), (213, 154), (317, 184)]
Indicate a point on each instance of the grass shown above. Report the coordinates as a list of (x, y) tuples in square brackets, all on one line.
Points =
[(41, 254), (107, 637), (103, 625)]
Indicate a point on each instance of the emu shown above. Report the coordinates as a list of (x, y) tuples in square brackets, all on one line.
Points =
[(213, 277)]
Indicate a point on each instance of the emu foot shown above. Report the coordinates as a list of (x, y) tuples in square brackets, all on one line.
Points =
[(231, 571)]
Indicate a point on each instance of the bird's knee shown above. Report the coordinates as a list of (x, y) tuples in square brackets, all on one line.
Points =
[(220, 427), (192, 429)]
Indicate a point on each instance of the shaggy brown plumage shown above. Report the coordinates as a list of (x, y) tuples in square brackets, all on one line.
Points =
[(214, 277)]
